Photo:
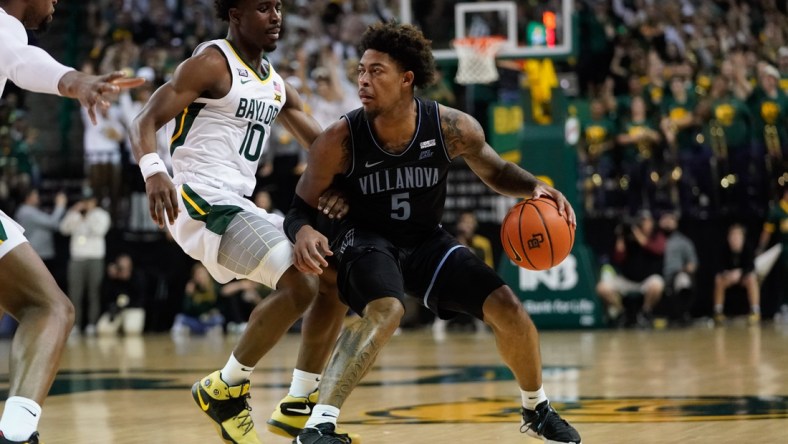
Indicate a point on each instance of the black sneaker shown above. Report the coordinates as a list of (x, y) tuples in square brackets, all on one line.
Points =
[(324, 433), (32, 440), (545, 423)]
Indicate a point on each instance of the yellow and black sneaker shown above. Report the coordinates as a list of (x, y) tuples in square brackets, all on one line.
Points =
[(32, 440), (228, 407), (291, 415)]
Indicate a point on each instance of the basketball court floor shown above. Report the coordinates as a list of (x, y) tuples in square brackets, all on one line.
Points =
[(694, 385)]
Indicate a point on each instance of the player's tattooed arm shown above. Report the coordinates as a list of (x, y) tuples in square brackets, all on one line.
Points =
[(465, 137)]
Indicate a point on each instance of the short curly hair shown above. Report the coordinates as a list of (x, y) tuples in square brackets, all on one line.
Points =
[(405, 44), (222, 8)]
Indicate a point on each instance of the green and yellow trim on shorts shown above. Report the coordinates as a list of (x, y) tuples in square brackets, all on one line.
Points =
[(215, 217)]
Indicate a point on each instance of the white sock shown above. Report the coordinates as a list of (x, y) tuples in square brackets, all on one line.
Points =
[(717, 308), (323, 413), (533, 399), (755, 309), (20, 418), (235, 373), (303, 383)]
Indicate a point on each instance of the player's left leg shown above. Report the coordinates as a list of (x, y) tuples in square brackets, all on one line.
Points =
[(463, 283), (30, 294), (518, 343)]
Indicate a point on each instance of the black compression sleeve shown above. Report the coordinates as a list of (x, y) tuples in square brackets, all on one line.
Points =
[(300, 214)]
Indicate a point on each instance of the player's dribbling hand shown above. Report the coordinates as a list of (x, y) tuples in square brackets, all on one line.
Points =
[(310, 250), (162, 198), (564, 208), (333, 204)]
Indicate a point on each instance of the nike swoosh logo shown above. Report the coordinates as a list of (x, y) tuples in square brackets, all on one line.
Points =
[(304, 411), (244, 82), (370, 165), (29, 411), (244, 369), (329, 415), (203, 405)]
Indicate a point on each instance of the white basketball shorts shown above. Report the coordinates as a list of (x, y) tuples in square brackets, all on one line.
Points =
[(206, 212), (11, 234)]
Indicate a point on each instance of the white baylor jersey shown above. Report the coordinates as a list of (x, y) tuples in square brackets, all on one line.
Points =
[(219, 142)]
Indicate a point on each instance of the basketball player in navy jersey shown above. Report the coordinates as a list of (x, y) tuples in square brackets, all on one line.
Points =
[(392, 157)]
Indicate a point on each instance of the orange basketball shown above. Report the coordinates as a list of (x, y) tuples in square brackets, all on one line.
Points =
[(535, 236)]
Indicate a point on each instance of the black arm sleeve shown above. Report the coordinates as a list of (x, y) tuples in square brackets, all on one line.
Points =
[(300, 214)]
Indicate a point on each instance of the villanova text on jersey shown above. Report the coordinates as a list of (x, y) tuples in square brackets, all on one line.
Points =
[(398, 195), (401, 178)]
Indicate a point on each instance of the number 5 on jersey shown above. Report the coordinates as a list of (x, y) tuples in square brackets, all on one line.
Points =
[(400, 206)]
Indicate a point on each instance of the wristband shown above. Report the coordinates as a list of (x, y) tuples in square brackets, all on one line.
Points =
[(151, 164), (299, 215)]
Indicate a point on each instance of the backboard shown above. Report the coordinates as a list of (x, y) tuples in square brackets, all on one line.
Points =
[(537, 28)]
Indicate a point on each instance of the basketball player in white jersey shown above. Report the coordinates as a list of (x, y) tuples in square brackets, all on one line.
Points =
[(224, 99), (27, 290)]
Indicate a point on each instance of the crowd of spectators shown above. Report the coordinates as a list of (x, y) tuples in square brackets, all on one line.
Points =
[(688, 106), (688, 114), (687, 111)]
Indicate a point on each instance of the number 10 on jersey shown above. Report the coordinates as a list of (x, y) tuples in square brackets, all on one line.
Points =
[(255, 135)]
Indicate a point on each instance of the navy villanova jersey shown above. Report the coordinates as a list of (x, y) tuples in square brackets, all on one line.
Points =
[(400, 196)]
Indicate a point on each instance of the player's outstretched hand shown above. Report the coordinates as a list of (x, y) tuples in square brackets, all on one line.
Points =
[(162, 199), (310, 250), (564, 208), (333, 204), (95, 91)]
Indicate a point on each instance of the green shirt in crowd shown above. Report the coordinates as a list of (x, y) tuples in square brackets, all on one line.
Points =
[(675, 110), (636, 151), (735, 120), (596, 134), (772, 112)]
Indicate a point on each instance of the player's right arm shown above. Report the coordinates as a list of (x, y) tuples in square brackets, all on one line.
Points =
[(206, 75), (328, 157), (33, 69)]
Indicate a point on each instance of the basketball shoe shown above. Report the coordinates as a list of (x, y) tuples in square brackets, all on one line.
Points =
[(228, 406), (545, 423), (32, 440), (322, 434), (291, 416)]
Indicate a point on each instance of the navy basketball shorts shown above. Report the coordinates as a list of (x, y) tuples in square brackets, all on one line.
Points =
[(444, 275)]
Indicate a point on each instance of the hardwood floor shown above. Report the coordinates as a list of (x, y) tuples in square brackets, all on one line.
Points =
[(695, 385)]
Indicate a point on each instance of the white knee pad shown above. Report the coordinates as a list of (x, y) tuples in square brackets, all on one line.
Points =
[(254, 247)]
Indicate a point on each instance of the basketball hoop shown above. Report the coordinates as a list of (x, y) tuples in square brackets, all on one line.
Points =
[(476, 56)]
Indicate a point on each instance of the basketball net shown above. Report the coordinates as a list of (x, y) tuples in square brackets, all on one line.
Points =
[(476, 56)]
